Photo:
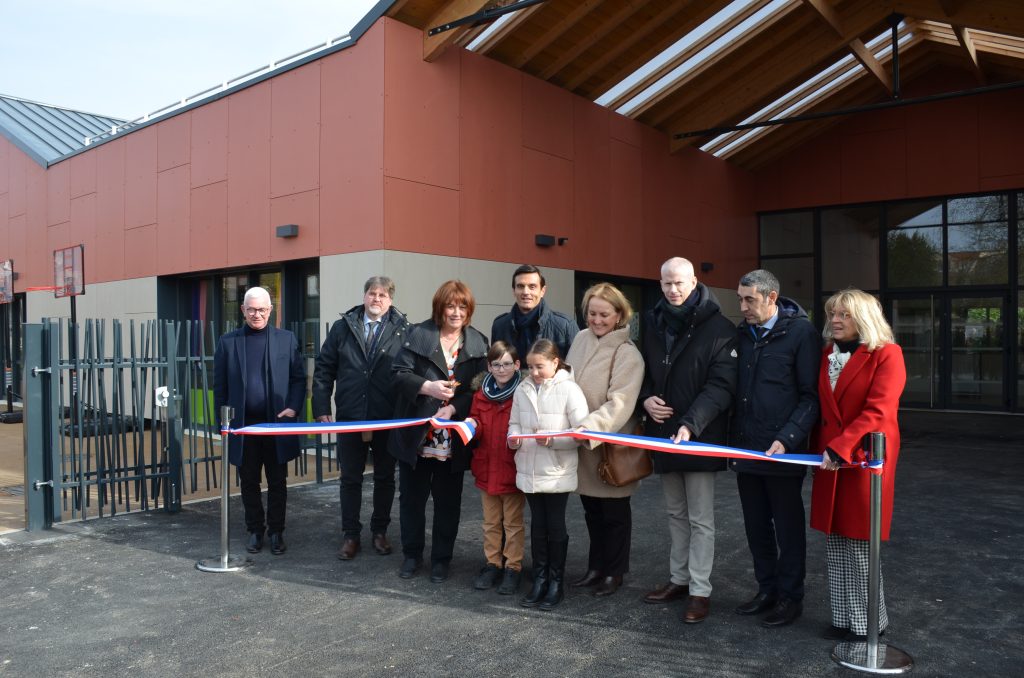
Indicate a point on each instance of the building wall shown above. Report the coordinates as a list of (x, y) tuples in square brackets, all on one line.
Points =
[(372, 149), (123, 300), (966, 145)]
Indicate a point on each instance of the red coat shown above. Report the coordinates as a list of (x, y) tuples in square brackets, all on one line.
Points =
[(493, 464), (866, 399)]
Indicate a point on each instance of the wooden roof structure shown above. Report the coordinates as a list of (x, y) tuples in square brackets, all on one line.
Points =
[(688, 65)]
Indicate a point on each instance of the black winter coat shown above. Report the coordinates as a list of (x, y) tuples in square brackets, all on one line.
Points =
[(421, 360), (697, 380), (552, 325), (361, 383), (777, 394)]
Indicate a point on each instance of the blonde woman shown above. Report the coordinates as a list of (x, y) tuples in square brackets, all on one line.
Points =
[(861, 379), (610, 370)]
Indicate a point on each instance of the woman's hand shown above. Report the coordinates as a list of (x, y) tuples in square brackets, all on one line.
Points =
[(441, 390), (445, 412), (513, 444), (828, 464), (471, 421)]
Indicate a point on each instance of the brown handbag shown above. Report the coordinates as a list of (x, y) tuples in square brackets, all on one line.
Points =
[(622, 465)]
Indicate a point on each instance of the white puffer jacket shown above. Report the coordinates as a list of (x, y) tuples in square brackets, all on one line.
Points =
[(556, 405)]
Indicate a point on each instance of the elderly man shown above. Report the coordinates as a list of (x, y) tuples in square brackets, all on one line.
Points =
[(776, 408), (530, 319), (355, 363), (689, 349), (258, 372)]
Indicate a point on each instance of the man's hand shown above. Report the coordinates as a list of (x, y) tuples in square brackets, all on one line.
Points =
[(286, 412), (657, 408), (324, 419), (441, 390), (446, 412), (683, 434), (776, 448)]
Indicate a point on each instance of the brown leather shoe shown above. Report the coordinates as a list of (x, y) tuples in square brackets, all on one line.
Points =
[(349, 549), (667, 593), (591, 578), (608, 586), (381, 544), (697, 608)]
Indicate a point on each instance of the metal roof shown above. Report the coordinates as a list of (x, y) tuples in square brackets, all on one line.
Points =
[(48, 133)]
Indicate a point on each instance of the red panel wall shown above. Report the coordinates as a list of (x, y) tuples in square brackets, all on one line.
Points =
[(372, 147), (965, 145)]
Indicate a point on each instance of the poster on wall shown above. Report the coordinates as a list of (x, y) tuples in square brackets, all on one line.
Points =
[(6, 281), (69, 271)]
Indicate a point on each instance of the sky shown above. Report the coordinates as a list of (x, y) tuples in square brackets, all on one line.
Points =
[(127, 59)]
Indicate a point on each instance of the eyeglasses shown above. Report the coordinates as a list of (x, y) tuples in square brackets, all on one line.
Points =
[(839, 315), (257, 311), (501, 366)]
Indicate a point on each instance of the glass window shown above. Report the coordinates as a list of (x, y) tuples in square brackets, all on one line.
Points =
[(233, 289), (978, 253), (978, 208), (915, 323), (849, 248), (789, 233), (909, 214), (1020, 247), (977, 342), (796, 279), (915, 257)]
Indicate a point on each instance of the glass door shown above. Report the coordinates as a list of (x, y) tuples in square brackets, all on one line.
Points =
[(916, 324), (977, 353)]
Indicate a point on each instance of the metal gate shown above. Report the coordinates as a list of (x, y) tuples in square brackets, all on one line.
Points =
[(99, 439)]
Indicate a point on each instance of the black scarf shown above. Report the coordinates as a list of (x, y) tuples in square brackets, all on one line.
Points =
[(678, 318), (848, 346), (497, 393), (527, 326)]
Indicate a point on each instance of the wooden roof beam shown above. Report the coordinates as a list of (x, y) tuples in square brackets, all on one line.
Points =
[(998, 16), (610, 24), (862, 54), (506, 30), (827, 13), (554, 32), (965, 40), (435, 45)]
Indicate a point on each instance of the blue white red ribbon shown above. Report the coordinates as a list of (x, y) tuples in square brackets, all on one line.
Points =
[(465, 430), (689, 447)]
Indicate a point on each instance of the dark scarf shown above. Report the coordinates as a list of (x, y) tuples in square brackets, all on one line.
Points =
[(527, 326), (678, 318), (497, 393), (848, 346)]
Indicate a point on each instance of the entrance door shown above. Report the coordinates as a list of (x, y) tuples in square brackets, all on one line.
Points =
[(954, 350), (916, 324), (977, 355)]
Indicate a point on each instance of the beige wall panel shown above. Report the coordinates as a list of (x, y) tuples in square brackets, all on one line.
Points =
[(121, 299)]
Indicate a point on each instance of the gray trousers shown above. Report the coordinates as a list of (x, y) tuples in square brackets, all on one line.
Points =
[(690, 503)]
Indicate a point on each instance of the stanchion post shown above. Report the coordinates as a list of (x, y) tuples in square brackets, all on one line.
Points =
[(870, 656), (224, 562)]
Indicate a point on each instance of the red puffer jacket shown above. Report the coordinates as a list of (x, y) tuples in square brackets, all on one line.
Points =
[(493, 463)]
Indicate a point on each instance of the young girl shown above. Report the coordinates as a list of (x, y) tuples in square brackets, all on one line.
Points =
[(546, 467), (494, 468)]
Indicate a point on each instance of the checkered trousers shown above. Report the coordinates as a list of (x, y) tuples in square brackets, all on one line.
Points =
[(848, 564)]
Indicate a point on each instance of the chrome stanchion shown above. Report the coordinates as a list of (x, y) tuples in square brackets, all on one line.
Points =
[(871, 656), (224, 562)]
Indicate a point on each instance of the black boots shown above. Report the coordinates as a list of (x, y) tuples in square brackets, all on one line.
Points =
[(556, 573), (539, 549)]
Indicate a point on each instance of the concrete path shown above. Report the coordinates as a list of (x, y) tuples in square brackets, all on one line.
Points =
[(120, 595)]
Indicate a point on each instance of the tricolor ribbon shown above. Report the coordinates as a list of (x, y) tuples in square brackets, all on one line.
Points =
[(690, 447), (466, 431)]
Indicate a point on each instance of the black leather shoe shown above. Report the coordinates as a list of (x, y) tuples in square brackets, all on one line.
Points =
[(439, 572), (381, 545), (591, 578), (255, 543), (608, 586), (762, 602), (510, 582), (488, 575), (409, 567), (784, 613), (835, 633), (277, 545)]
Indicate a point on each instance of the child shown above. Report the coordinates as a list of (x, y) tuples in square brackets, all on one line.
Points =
[(494, 468), (546, 467)]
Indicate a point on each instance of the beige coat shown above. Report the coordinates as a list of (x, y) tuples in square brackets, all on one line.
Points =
[(610, 371), (557, 405)]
